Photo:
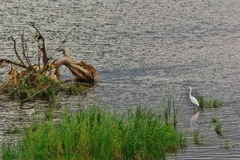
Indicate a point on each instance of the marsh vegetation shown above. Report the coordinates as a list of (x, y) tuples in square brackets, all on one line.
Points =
[(97, 133), (209, 102), (198, 139)]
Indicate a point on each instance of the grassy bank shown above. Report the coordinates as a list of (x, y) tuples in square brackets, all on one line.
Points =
[(96, 133)]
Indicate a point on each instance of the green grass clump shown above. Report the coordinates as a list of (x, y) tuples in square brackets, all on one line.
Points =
[(197, 138), (75, 89), (214, 120), (218, 128), (209, 103), (96, 133), (218, 125)]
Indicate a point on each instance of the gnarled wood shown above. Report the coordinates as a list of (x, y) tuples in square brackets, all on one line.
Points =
[(82, 71)]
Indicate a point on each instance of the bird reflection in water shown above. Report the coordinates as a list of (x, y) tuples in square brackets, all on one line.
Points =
[(194, 118)]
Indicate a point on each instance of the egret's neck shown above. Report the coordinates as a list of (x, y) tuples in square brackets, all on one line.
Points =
[(190, 93)]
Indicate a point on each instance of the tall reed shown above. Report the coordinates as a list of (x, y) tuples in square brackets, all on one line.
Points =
[(171, 111)]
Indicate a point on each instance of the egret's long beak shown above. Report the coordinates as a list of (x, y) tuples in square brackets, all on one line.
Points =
[(188, 87)]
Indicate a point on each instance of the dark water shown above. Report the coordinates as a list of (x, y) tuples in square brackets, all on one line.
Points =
[(143, 51)]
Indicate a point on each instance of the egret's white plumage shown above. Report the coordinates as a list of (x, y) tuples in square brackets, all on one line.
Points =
[(193, 99)]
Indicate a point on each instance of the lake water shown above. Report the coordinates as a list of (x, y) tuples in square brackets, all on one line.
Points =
[(143, 50)]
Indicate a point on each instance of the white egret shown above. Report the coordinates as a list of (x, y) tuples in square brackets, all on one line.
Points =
[(193, 99)]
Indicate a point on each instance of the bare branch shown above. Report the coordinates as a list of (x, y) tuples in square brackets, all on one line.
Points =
[(23, 49), (11, 62), (41, 46), (26, 48), (24, 66), (65, 38), (60, 46)]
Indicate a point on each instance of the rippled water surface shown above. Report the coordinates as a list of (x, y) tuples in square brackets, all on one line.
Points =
[(143, 51)]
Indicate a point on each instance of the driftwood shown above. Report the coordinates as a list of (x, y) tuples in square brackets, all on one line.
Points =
[(82, 71)]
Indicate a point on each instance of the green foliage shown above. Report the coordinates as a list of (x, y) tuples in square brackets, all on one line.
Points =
[(214, 120), (218, 128), (49, 113), (171, 111), (8, 152), (209, 103), (96, 133), (75, 89), (42, 86), (218, 125), (197, 138), (226, 145)]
